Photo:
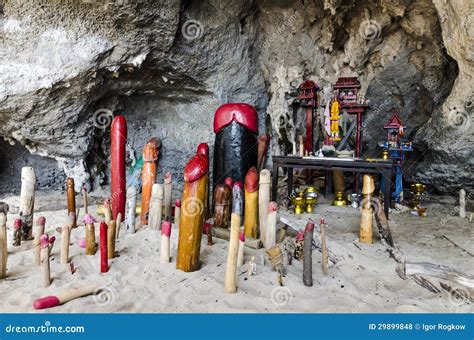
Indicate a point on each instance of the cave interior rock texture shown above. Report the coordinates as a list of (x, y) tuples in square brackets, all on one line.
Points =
[(168, 65)]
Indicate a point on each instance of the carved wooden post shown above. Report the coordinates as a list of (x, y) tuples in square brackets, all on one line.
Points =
[(168, 188), (365, 235), (251, 203), (222, 205), (156, 205), (107, 210), (324, 248), (231, 268), (240, 255), (65, 296), (192, 213), (71, 198), (150, 157), (65, 238), (131, 206), (177, 212), (85, 200), (17, 230), (27, 200), (307, 258), (263, 201), (111, 239), (462, 203), (3, 245), (39, 230), (45, 251)]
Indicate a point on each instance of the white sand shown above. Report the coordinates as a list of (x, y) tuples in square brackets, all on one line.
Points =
[(364, 281)]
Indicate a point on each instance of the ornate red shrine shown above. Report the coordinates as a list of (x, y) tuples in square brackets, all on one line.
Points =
[(308, 95), (347, 91)]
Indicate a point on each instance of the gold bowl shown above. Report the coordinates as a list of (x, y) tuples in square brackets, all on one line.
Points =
[(339, 199)]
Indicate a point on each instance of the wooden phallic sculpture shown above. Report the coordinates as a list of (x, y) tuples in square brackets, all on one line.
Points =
[(263, 200), (39, 230), (177, 211), (271, 225), (251, 203), (46, 244), (222, 204), (203, 149), (192, 213), (3, 245), (17, 231), (118, 138), (107, 210), (65, 296), (27, 200), (111, 229), (104, 262), (90, 234), (65, 238), (71, 199), (230, 285), (167, 190), (462, 203), (165, 242), (235, 147), (307, 254), (150, 158), (368, 187), (240, 256), (156, 206), (131, 206)]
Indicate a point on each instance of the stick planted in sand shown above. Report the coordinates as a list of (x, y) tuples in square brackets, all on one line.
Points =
[(90, 234), (307, 258), (3, 245), (177, 211), (85, 200), (111, 239), (165, 242), (39, 230), (150, 158), (324, 249), (107, 210), (263, 201), (71, 198), (65, 239), (65, 296), (118, 222), (131, 206), (168, 187), (27, 200), (156, 206), (104, 263), (462, 203)]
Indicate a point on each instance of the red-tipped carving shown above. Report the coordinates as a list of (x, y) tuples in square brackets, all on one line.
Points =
[(104, 264), (196, 168), (251, 180), (177, 204), (229, 181), (203, 149), (41, 221), (17, 224), (272, 207), (166, 228), (300, 236), (44, 241), (118, 138), (206, 228), (244, 114), (238, 184), (309, 226), (46, 302), (242, 236), (89, 219), (322, 221)]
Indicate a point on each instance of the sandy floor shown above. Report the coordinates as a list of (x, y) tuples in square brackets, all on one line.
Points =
[(363, 281)]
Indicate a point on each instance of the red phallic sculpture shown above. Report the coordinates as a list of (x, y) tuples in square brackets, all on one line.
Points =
[(118, 138)]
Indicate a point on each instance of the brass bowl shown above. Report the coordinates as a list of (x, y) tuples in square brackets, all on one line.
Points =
[(298, 202), (418, 188), (310, 202)]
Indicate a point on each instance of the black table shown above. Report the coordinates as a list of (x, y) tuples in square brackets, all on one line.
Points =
[(375, 166)]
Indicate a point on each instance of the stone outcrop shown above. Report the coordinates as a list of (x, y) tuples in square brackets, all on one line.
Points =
[(66, 66)]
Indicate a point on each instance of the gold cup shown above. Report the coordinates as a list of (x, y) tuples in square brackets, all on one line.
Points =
[(417, 190), (385, 154), (310, 202), (298, 202), (339, 199)]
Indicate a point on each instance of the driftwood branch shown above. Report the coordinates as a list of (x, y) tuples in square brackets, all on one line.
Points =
[(438, 271)]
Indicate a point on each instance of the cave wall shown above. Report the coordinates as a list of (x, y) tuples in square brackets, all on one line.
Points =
[(168, 65)]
